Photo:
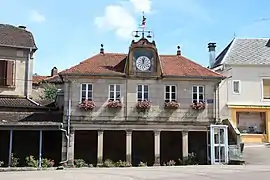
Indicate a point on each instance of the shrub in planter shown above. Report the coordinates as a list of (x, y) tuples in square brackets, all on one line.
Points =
[(31, 161), (122, 164), (114, 104), (143, 105), (14, 160), (171, 105), (108, 163), (198, 105), (79, 163), (87, 105), (47, 163)]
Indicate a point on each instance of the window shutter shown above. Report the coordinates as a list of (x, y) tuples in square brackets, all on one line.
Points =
[(2, 72), (9, 73)]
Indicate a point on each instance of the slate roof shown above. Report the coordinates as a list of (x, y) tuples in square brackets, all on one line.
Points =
[(45, 118), (114, 64), (16, 37), (15, 101), (246, 52)]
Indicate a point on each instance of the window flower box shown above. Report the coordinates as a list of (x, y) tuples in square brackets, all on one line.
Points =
[(114, 104), (143, 105), (87, 105), (198, 105), (171, 105)]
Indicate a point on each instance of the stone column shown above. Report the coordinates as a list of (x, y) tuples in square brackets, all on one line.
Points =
[(185, 144), (157, 148), (128, 146), (100, 148)]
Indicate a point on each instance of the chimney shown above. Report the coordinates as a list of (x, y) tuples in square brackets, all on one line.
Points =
[(101, 49), (54, 71), (22, 27), (178, 51), (212, 54)]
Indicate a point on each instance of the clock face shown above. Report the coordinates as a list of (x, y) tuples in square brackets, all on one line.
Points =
[(143, 63)]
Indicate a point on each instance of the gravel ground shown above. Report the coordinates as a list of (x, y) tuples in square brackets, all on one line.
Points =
[(143, 173)]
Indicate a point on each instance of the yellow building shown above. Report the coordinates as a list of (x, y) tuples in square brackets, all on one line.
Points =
[(245, 94)]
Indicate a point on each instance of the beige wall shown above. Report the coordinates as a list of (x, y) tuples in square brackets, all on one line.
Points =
[(20, 57), (38, 91), (156, 93)]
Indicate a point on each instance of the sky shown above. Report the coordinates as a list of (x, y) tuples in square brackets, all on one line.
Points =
[(67, 32)]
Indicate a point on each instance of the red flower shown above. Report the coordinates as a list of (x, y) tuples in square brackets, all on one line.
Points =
[(144, 105), (171, 105), (114, 104), (87, 105), (198, 105)]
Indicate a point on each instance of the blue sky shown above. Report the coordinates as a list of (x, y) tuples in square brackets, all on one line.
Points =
[(67, 32)]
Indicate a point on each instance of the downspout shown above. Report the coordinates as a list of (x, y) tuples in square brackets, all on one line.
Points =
[(126, 95), (67, 132), (218, 102), (215, 107), (27, 73)]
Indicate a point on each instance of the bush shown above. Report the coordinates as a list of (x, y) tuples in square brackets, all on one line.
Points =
[(108, 163), (14, 160), (122, 164), (31, 161), (189, 160), (79, 163), (142, 164), (47, 163), (171, 163)]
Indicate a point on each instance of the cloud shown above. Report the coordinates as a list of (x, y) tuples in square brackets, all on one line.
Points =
[(142, 5), (120, 18), (37, 17)]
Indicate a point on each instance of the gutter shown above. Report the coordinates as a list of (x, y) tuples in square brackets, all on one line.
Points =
[(195, 77), (67, 138), (107, 75), (27, 74)]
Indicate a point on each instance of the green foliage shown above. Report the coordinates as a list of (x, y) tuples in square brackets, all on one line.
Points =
[(122, 164), (108, 163), (50, 91), (31, 161), (80, 163), (142, 164), (189, 160), (47, 163), (14, 160), (171, 163)]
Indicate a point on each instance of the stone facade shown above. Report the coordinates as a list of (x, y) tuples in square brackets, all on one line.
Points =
[(22, 83)]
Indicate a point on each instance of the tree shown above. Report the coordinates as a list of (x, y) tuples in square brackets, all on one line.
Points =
[(50, 91)]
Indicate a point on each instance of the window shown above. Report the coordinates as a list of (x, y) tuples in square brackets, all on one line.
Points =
[(170, 93), (86, 92), (197, 94), (114, 92), (6, 73), (142, 92), (266, 89), (236, 86)]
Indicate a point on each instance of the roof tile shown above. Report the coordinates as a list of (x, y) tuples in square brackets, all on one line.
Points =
[(114, 64)]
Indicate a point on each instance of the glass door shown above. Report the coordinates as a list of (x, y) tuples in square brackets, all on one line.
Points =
[(219, 144)]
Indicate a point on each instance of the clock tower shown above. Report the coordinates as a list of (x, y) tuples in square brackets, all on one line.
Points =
[(143, 60)]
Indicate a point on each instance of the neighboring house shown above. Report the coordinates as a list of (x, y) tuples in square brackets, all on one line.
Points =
[(23, 120), (39, 83), (244, 95), (125, 107)]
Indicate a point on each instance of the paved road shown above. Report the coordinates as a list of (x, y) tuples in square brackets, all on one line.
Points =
[(143, 173), (257, 154)]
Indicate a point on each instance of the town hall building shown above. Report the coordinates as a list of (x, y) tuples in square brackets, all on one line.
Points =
[(138, 107)]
